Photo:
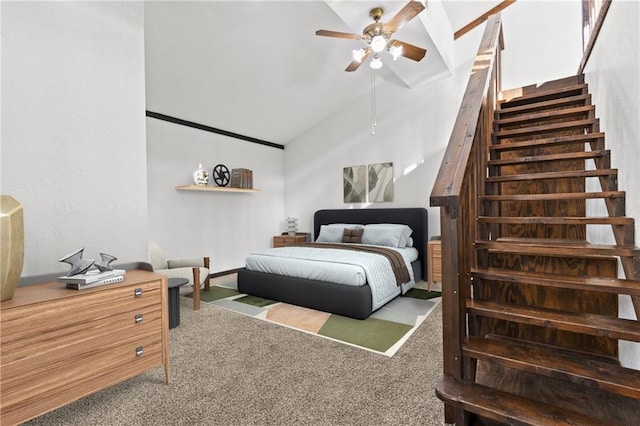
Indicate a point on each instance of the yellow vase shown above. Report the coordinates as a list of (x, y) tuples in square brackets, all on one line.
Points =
[(11, 245)]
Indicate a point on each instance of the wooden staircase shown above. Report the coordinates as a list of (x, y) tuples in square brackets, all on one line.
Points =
[(540, 329)]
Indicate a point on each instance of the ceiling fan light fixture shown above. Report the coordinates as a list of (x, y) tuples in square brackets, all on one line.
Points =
[(378, 43), (358, 55), (395, 51), (376, 63)]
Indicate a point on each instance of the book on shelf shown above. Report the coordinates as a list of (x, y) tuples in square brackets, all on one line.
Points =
[(110, 280), (235, 178), (91, 276), (242, 178)]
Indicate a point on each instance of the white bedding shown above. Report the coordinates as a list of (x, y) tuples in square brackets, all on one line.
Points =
[(346, 267)]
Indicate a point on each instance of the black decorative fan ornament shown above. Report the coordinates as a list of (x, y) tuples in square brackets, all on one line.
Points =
[(221, 175)]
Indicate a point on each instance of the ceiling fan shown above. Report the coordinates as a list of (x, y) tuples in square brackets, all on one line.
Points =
[(377, 37)]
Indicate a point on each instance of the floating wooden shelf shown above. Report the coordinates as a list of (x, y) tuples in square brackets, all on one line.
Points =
[(214, 188)]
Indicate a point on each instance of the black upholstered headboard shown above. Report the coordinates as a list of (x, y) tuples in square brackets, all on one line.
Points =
[(416, 218)]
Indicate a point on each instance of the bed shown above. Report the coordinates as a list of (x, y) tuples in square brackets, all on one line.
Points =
[(355, 301)]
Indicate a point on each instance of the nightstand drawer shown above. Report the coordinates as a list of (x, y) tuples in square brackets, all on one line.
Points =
[(287, 240), (434, 268)]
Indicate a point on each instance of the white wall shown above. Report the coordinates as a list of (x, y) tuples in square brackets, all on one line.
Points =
[(224, 226), (183, 71), (613, 75), (543, 41), (73, 129), (413, 128)]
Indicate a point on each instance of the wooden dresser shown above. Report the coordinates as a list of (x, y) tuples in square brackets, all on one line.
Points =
[(58, 345)]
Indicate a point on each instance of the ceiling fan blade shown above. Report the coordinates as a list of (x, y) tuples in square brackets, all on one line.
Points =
[(409, 50), (327, 33), (406, 14), (354, 65)]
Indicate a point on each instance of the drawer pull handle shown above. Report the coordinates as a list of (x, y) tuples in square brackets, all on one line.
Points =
[(138, 318), (137, 292), (139, 351)]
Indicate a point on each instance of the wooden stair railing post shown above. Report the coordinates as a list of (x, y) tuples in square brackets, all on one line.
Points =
[(452, 303), (456, 191)]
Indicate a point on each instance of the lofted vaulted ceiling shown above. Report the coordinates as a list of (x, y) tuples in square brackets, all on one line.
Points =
[(257, 68)]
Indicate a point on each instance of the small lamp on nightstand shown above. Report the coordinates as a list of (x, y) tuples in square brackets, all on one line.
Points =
[(292, 225)]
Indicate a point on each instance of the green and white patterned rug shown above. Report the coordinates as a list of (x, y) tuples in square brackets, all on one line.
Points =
[(384, 332)]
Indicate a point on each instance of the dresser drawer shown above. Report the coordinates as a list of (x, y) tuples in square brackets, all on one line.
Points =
[(38, 318), (20, 356), (45, 380), (67, 382)]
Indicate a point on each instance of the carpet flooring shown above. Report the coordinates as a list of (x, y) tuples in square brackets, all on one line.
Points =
[(384, 332), (229, 369)]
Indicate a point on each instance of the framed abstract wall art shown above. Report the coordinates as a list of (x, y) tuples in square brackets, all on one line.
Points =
[(355, 184), (380, 179)]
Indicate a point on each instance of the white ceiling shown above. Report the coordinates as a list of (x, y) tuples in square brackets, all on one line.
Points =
[(257, 68)]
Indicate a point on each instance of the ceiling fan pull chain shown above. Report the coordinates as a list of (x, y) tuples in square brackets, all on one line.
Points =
[(373, 102)]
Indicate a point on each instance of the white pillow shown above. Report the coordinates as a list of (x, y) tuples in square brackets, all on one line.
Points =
[(386, 234), (333, 233)]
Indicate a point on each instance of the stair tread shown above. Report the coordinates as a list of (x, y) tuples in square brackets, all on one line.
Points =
[(550, 241), (542, 104), (558, 220), (504, 104), (556, 196), (545, 128), (550, 248), (506, 407), (591, 324), (605, 285), (557, 362), (553, 175), (556, 113), (550, 157), (547, 141)]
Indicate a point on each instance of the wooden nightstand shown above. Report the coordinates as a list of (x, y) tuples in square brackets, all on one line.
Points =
[(434, 267), (287, 240)]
